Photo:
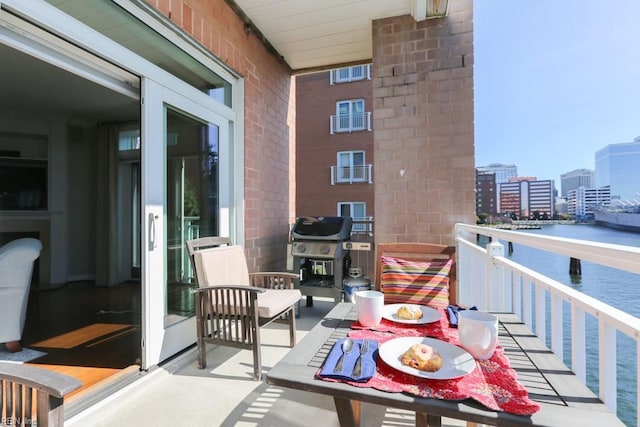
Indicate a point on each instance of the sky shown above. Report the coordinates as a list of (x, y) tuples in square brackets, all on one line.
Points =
[(555, 81)]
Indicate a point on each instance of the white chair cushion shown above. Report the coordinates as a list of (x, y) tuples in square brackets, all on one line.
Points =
[(225, 265), (273, 301)]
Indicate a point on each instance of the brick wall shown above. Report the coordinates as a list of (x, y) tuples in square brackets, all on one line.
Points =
[(269, 203), (423, 126), (317, 149)]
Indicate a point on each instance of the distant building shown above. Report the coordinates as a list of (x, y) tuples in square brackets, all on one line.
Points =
[(486, 199), (618, 166), (527, 199), (502, 172), (561, 206), (523, 178), (575, 179), (580, 201)]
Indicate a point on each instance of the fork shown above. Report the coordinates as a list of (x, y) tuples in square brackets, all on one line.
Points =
[(357, 370)]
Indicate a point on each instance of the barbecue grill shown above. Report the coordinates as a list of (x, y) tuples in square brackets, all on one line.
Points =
[(319, 254)]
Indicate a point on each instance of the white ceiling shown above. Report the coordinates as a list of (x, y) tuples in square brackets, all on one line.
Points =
[(321, 33), (308, 34)]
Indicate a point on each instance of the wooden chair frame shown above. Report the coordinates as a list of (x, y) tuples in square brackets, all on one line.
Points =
[(228, 315), (18, 382), (419, 252)]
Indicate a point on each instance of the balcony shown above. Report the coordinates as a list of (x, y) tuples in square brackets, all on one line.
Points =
[(561, 316), (351, 174), (558, 314), (356, 122)]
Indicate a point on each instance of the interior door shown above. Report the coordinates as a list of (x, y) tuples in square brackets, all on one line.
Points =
[(181, 143)]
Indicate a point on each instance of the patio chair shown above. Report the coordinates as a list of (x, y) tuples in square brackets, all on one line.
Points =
[(428, 261), (16, 268), (231, 304), (24, 388)]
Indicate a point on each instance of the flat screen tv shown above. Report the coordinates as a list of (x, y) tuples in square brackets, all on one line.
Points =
[(23, 185)]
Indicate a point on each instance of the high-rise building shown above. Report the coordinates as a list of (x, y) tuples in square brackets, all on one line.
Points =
[(575, 179), (503, 172), (486, 199), (527, 199), (618, 166), (581, 200)]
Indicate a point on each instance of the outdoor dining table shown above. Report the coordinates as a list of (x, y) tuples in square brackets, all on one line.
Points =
[(553, 395)]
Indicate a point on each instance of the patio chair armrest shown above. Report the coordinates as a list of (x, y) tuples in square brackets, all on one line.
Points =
[(230, 287), (273, 279), (50, 382)]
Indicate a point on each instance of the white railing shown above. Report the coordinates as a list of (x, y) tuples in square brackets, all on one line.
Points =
[(492, 282), (350, 122), (362, 225), (351, 174)]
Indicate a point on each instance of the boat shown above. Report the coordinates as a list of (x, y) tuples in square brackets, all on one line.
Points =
[(622, 218)]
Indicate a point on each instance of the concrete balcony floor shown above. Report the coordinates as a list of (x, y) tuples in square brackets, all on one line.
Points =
[(224, 394)]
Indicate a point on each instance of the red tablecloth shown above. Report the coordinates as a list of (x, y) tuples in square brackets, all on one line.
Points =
[(493, 382)]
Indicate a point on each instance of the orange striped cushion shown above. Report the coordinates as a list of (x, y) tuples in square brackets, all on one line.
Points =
[(415, 282)]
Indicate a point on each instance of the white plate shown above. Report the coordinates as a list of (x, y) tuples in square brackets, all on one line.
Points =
[(428, 314), (456, 362)]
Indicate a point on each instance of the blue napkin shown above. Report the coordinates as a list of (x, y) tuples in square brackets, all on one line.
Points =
[(368, 362), (452, 312)]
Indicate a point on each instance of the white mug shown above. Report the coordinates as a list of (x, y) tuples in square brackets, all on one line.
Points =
[(478, 333), (370, 305)]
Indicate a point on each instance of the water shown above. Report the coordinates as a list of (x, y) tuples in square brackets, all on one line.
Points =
[(617, 288)]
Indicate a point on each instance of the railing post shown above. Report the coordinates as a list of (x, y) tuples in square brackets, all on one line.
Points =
[(495, 279), (607, 365), (578, 343)]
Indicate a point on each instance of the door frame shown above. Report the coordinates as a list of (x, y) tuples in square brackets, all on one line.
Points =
[(158, 342), (160, 338)]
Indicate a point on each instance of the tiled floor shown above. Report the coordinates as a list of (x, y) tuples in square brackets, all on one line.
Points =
[(224, 394)]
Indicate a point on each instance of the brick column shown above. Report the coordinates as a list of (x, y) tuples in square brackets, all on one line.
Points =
[(424, 171)]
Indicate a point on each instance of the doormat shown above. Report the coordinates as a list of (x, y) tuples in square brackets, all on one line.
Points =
[(26, 355), (81, 336)]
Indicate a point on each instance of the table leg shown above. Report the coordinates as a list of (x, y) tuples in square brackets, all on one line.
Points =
[(425, 420), (355, 406), (346, 417)]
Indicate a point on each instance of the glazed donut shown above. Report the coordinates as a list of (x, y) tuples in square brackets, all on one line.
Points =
[(422, 357)]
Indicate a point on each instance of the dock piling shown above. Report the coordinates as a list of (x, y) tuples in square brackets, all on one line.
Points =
[(575, 269)]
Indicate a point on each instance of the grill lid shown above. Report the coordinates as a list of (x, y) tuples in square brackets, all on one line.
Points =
[(322, 228)]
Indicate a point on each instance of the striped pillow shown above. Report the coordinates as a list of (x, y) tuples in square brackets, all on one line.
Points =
[(415, 282)]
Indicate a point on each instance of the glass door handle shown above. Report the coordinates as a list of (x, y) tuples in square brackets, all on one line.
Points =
[(152, 231)]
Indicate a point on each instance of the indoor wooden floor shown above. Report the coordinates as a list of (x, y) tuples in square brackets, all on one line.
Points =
[(88, 332)]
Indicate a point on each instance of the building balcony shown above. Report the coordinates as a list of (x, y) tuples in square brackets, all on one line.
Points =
[(580, 330), (351, 174), (356, 122)]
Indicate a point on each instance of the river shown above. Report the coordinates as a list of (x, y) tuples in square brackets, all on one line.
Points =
[(617, 288)]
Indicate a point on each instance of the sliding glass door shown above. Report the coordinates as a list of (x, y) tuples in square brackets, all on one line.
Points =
[(181, 201)]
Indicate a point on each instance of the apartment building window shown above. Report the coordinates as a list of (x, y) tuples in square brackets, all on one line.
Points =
[(350, 116), (351, 166), (356, 210), (350, 74)]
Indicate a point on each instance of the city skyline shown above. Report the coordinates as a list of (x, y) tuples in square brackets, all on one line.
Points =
[(554, 83)]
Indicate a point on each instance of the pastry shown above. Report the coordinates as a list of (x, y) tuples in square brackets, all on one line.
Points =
[(410, 312), (422, 357)]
